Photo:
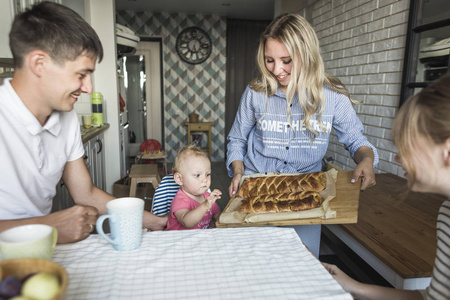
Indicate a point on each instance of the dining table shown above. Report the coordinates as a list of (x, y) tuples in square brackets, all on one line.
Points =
[(220, 263)]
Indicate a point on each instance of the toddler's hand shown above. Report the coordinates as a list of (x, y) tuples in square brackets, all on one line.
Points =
[(212, 198)]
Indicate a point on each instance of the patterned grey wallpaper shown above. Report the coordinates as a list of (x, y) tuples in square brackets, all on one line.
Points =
[(187, 88)]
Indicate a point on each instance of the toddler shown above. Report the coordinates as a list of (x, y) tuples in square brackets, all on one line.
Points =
[(193, 206)]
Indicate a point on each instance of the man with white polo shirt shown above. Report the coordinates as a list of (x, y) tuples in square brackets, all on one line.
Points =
[(55, 53)]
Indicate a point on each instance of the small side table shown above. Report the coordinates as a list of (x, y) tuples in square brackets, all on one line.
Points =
[(200, 126), (147, 173)]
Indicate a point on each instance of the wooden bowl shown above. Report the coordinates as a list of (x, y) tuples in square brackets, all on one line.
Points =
[(24, 266)]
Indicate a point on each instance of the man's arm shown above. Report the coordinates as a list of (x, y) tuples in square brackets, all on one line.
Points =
[(73, 224), (77, 222), (79, 183)]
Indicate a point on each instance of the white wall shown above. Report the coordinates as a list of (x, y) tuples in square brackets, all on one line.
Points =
[(76, 5), (6, 18), (101, 15), (83, 105)]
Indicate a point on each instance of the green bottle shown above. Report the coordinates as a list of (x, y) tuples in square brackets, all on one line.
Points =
[(97, 110)]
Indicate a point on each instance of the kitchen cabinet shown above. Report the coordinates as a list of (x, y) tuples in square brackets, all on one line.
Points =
[(62, 199), (94, 158), (97, 161)]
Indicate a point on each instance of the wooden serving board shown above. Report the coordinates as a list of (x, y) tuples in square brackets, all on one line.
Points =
[(345, 204)]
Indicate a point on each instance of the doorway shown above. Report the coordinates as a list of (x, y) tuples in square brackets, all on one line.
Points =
[(136, 98), (143, 79), (151, 50)]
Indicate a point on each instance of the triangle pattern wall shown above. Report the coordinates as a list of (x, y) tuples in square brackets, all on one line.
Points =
[(187, 88)]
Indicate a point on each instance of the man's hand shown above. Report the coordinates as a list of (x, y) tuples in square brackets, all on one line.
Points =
[(155, 223), (73, 224)]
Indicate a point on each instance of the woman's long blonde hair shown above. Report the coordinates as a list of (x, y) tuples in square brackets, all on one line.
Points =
[(308, 71), (425, 114)]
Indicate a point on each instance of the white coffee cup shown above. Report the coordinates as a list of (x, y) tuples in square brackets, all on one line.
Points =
[(28, 241), (125, 220)]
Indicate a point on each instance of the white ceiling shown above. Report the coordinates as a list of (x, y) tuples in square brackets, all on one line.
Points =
[(234, 9)]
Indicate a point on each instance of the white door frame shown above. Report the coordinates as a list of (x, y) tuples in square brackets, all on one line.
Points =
[(151, 48)]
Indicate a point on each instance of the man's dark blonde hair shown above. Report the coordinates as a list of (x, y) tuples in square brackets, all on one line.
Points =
[(425, 114), (184, 153)]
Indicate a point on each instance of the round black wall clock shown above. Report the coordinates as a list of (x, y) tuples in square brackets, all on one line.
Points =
[(194, 45)]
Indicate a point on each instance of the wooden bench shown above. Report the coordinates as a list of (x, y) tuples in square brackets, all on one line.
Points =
[(396, 232)]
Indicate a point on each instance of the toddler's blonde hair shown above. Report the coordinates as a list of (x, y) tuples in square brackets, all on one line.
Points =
[(184, 153)]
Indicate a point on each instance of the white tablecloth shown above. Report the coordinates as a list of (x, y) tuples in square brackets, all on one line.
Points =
[(231, 263)]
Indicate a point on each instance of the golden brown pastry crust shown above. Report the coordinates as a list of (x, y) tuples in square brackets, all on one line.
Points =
[(282, 193), (258, 186), (246, 206), (311, 200), (281, 202), (283, 206)]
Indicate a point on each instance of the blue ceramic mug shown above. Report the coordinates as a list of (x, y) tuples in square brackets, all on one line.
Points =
[(125, 220)]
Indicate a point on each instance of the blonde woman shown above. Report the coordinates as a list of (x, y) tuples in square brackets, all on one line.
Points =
[(285, 117), (422, 135)]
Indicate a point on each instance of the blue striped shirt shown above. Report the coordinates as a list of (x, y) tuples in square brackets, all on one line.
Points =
[(166, 190), (263, 138)]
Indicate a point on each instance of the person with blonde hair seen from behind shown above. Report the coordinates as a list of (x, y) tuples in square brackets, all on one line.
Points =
[(285, 117), (193, 206), (421, 132)]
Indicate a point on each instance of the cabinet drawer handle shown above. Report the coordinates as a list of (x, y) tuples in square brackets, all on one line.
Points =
[(101, 146)]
